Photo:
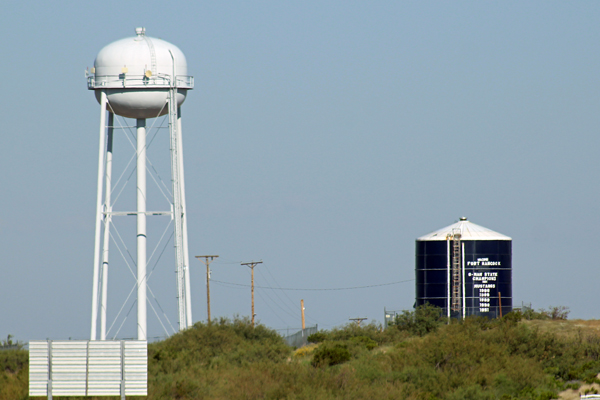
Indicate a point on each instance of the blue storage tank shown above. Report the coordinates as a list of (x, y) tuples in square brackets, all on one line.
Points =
[(465, 269)]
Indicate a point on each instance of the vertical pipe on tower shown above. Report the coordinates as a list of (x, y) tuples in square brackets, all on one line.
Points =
[(107, 221), (98, 214), (448, 273), (464, 296), (186, 255), (141, 227)]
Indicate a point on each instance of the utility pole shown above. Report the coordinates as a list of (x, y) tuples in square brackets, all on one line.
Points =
[(302, 308), (207, 261), (357, 320), (252, 264)]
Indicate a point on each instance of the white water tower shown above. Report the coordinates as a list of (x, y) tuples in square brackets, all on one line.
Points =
[(141, 78)]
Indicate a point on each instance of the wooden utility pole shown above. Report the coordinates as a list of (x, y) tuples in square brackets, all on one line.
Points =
[(357, 320), (302, 308), (500, 302), (252, 264), (207, 261)]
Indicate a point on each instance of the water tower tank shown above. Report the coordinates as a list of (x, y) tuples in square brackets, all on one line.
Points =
[(136, 73), (465, 269)]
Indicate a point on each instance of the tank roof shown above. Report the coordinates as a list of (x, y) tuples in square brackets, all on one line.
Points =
[(468, 230)]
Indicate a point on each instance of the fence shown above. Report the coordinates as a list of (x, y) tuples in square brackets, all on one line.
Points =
[(300, 338), (11, 347), (389, 316)]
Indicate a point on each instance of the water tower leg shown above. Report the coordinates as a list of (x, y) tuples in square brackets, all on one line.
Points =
[(141, 227), (177, 209), (464, 296), (448, 304), (107, 221), (186, 254), (101, 151)]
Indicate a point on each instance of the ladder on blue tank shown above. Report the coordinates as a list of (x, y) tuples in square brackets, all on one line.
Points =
[(456, 298)]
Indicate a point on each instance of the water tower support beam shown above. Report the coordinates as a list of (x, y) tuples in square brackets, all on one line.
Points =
[(186, 254), (141, 227), (464, 295), (95, 278), (448, 305), (107, 221), (177, 209)]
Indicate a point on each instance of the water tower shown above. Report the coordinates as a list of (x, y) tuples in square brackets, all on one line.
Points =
[(140, 78), (465, 269)]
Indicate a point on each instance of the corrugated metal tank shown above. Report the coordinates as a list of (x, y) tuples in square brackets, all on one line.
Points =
[(465, 269)]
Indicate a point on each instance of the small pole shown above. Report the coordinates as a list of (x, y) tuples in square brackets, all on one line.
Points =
[(500, 302), (207, 263), (252, 264), (302, 308)]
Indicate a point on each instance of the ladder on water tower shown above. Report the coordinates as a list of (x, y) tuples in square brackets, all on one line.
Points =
[(456, 298)]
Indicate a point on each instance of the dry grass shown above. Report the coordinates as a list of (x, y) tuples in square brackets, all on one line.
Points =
[(575, 394), (567, 328)]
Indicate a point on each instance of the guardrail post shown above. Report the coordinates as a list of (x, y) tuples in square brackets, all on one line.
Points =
[(49, 369), (122, 370)]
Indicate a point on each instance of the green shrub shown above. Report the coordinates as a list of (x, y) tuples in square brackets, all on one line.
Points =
[(14, 371), (369, 343), (513, 316), (425, 319), (554, 313), (572, 385), (330, 353), (558, 312), (317, 337), (373, 331)]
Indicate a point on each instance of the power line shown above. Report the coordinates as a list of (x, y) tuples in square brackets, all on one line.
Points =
[(320, 289), (293, 311)]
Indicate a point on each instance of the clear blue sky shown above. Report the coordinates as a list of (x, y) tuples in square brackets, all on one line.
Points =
[(322, 138)]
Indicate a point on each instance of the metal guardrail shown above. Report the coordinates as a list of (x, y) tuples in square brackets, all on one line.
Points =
[(590, 396), (88, 368), (126, 81)]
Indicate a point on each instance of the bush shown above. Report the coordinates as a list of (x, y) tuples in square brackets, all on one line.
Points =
[(553, 313), (14, 371), (513, 316), (8, 344), (425, 319), (222, 342), (329, 353), (305, 350), (530, 314), (369, 343), (373, 331), (558, 312), (317, 337)]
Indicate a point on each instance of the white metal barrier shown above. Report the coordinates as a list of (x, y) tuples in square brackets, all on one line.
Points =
[(88, 368)]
